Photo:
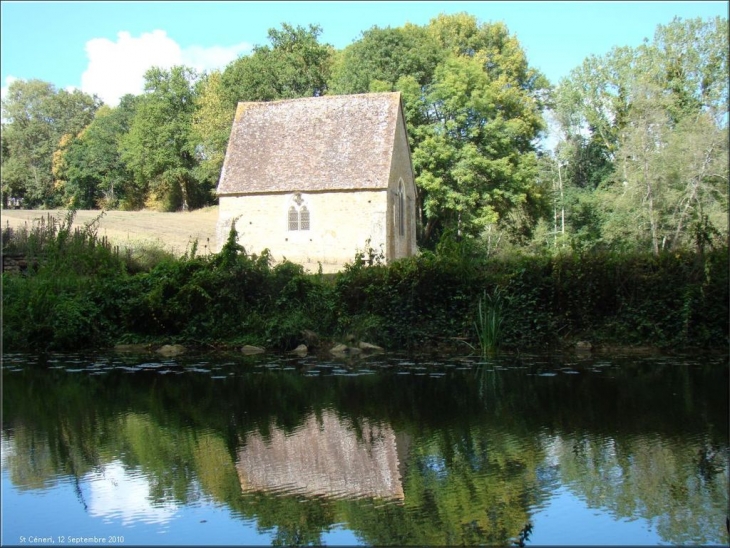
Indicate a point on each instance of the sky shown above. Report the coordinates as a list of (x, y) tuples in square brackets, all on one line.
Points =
[(104, 48)]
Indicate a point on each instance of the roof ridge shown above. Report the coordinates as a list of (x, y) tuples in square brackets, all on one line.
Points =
[(324, 97)]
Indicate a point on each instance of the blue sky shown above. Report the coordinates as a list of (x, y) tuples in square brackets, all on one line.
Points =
[(105, 47)]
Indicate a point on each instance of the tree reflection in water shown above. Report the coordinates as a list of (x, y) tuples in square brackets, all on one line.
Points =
[(448, 452)]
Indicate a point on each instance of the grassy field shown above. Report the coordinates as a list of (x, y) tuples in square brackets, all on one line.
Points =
[(174, 232)]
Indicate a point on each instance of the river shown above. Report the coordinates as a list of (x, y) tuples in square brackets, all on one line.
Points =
[(384, 450)]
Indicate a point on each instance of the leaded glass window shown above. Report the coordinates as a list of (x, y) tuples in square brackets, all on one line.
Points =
[(293, 218), (298, 215), (304, 218)]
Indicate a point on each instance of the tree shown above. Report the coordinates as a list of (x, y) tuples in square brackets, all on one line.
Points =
[(645, 132), (672, 190), (92, 168), (691, 62), (477, 164), (639, 198), (697, 157), (36, 116), (295, 65), (469, 163), (158, 149), (473, 108), (382, 56), (211, 127)]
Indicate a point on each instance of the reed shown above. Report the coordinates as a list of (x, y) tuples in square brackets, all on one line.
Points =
[(488, 324)]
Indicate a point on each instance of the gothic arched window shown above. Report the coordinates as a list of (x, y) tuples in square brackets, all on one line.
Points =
[(298, 216), (304, 218), (399, 209), (293, 218)]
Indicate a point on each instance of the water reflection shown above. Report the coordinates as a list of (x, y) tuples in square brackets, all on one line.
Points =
[(325, 456), (653, 477), (390, 451), (118, 494)]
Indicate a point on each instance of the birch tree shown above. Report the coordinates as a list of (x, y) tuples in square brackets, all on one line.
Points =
[(645, 131)]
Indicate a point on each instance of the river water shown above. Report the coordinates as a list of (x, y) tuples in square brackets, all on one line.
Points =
[(386, 450)]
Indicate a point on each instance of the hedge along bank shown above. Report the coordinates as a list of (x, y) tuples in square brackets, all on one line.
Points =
[(84, 294)]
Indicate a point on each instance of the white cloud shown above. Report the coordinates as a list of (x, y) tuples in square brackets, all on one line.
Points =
[(4, 89), (117, 68)]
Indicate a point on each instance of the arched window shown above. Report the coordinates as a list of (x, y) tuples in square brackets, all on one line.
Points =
[(293, 218), (399, 209), (298, 216), (304, 218)]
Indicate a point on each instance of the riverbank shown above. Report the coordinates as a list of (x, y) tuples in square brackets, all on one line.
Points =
[(82, 292)]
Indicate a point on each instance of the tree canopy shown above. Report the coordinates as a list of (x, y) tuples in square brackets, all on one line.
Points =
[(473, 108), (36, 116), (641, 160), (158, 148), (294, 65), (645, 138)]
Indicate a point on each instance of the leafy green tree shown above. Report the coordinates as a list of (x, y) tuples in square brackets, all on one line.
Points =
[(697, 155), (672, 190), (473, 107), (211, 126), (645, 139), (294, 65), (158, 149), (691, 61), (641, 194), (476, 164), (593, 101), (91, 165), (14, 172), (36, 115), (382, 56), (468, 175)]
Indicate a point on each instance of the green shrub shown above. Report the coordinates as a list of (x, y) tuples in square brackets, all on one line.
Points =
[(84, 293), (57, 304)]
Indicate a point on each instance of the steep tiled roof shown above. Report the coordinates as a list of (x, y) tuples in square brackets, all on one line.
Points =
[(335, 142)]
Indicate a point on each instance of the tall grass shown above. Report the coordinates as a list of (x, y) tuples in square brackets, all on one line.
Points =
[(488, 324), (54, 304), (73, 289), (54, 239), (56, 243), (33, 238)]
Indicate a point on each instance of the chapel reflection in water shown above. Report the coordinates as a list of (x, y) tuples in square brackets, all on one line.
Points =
[(325, 456)]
